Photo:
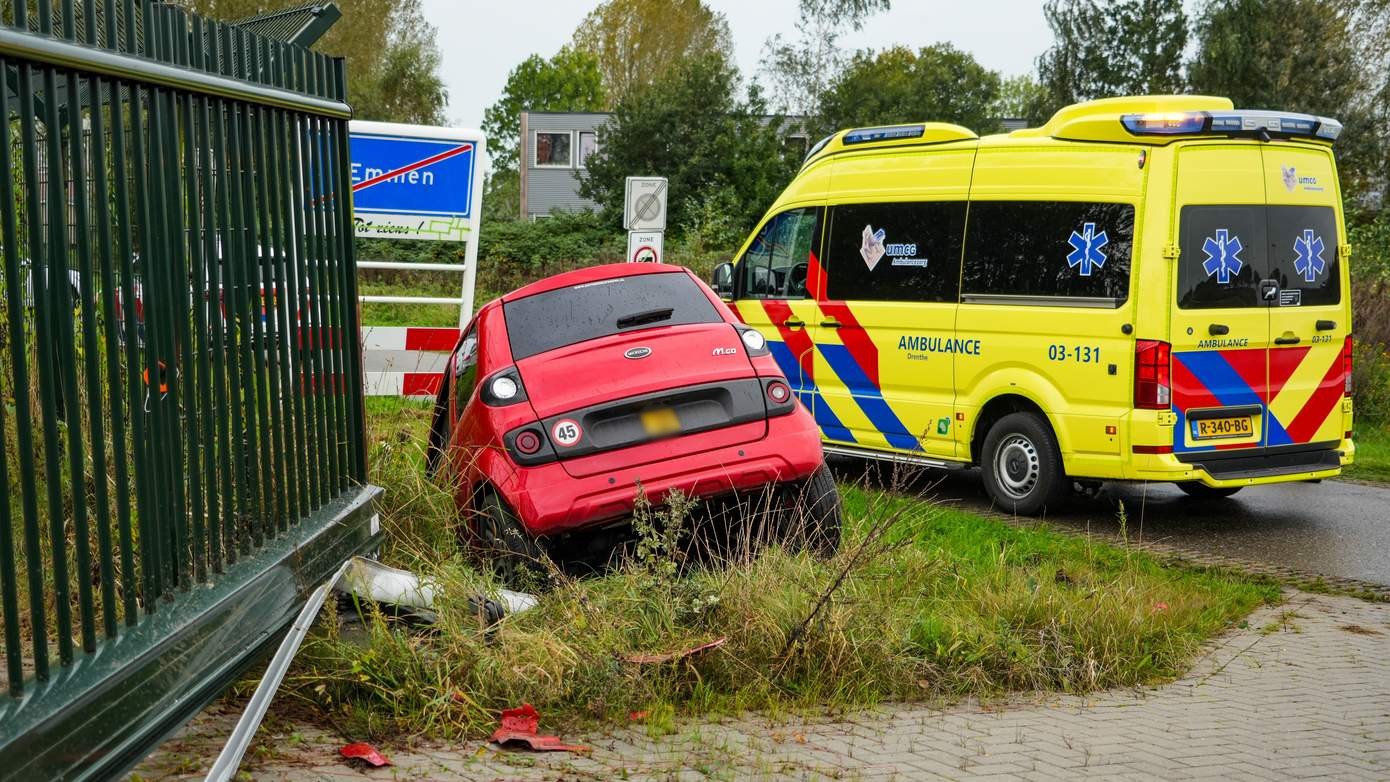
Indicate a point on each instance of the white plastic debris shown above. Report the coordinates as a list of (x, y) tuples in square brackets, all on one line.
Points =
[(372, 580)]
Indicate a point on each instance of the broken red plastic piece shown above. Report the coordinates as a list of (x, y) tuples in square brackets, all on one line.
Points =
[(519, 727), (665, 657), (364, 752)]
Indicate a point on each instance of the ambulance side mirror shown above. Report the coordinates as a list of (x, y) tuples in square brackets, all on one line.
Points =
[(722, 280)]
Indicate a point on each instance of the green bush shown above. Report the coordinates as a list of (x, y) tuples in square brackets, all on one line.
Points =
[(1370, 262), (1371, 377), (559, 239)]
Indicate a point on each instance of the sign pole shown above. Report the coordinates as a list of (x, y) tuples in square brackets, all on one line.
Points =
[(470, 257)]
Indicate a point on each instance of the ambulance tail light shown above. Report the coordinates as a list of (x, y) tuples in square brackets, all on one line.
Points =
[(1152, 375), (1346, 364)]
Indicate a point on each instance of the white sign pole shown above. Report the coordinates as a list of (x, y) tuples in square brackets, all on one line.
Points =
[(470, 257)]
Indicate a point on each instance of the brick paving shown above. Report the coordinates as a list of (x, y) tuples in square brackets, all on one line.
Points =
[(1301, 692)]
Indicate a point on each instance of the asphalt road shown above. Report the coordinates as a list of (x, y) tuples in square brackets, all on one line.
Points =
[(1334, 528)]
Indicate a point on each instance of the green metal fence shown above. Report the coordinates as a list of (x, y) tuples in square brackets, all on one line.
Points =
[(181, 428)]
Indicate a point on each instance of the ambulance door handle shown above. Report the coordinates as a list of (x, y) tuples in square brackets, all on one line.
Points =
[(1326, 325), (793, 323), (830, 324), (1287, 340), (1218, 329)]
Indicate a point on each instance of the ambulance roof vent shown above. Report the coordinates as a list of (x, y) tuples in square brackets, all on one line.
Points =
[(882, 136)]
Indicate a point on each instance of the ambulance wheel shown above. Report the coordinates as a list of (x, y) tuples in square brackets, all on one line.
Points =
[(515, 556), (1022, 465), (1201, 491)]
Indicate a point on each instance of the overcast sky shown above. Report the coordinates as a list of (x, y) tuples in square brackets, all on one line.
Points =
[(483, 41)]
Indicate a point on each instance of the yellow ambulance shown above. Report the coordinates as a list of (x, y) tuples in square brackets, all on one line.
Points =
[(1143, 289)]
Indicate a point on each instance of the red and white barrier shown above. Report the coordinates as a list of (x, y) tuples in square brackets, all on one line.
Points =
[(405, 360)]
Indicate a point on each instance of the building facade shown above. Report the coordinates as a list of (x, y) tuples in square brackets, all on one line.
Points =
[(554, 146)]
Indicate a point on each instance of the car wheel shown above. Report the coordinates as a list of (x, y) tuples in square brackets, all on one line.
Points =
[(515, 556), (812, 521), (1022, 465), (1201, 491)]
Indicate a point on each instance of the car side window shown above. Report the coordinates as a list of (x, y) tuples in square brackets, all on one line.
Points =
[(465, 371), (895, 251), (1048, 249), (778, 261)]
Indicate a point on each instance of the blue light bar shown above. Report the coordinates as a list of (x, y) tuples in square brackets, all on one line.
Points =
[(1174, 124), (1232, 122), (865, 135)]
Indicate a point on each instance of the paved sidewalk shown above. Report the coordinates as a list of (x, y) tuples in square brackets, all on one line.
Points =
[(1303, 692)]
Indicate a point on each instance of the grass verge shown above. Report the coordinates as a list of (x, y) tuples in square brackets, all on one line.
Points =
[(1372, 456), (920, 603)]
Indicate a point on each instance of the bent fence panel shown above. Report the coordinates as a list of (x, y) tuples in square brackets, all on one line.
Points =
[(182, 451)]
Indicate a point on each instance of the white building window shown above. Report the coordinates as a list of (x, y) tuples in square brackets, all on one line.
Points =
[(588, 145), (553, 150)]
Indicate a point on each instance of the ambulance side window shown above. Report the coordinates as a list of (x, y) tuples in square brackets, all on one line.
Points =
[(1037, 249), (777, 263), (1221, 257), (465, 371), (895, 252), (1303, 253)]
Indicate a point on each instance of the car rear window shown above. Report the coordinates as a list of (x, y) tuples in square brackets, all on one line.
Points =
[(557, 318)]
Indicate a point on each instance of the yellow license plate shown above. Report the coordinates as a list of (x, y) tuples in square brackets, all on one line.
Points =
[(659, 421), (1217, 428)]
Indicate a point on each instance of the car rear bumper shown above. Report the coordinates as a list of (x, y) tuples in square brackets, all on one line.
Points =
[(549, 501)]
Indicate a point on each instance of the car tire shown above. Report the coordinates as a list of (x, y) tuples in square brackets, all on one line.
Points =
[(515, 556), (812, 521), (1022, 465), (1201, 491)]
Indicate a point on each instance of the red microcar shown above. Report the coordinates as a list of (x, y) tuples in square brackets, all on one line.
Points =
[(567, 397)]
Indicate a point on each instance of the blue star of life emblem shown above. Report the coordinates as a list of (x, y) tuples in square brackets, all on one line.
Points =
[(1309, 262), (1223, 256), (1086, 255)]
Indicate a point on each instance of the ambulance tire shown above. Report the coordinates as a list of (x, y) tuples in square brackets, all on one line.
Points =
[(1201, 491), (515, 557), (1022, 465)]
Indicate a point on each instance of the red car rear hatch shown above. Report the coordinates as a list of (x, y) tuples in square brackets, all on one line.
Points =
[(627, 398)]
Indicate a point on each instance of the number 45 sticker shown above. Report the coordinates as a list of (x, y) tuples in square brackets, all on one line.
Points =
[(566, 432)]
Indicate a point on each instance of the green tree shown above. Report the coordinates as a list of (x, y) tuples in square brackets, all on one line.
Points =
[(1124, 47), (392, 56), (1299, 55), (569, 81), (692, 128), (637, 42), (937, 83), (799, 70), (1021, 97)]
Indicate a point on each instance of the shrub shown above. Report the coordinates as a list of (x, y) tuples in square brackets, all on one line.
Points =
[(559, 239), (1371, 376)]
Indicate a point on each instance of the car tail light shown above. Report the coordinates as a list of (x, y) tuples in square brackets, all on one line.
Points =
[(779, 392), (528, 442), (1152, 375), (1346, 364), (753, 340)]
